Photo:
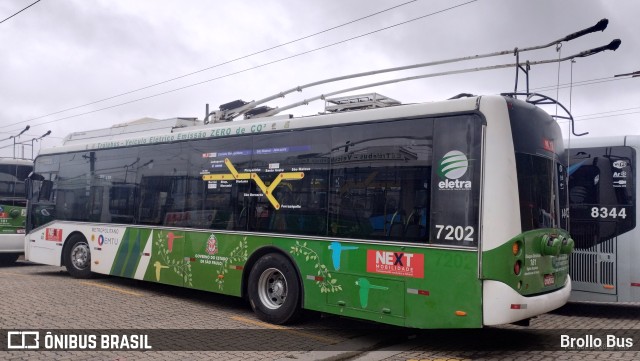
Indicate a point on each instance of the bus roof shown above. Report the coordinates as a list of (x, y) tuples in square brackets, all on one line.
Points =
[(15, 161), (604, 141), (171, 130)]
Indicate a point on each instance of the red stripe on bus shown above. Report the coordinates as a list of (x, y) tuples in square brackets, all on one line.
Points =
[(635, 284)]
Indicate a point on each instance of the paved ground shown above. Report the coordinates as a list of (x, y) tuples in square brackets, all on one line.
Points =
[(43, 298)]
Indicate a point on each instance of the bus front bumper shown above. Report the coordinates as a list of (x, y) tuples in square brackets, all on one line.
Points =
[(503, 305), (12, 243)]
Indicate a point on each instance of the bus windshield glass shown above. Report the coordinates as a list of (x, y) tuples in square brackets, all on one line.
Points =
[(12, 181), (541, 183)]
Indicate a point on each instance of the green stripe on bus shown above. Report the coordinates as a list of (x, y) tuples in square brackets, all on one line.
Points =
[(133, 257), (122, 255)]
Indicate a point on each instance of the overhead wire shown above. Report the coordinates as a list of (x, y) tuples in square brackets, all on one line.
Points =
[(243, 70), (19, 11), (222, 63)]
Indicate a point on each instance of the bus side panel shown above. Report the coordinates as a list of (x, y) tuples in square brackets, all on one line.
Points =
[(45, 245), (217, 260), (130, 253), (450, 295), (414, 287)]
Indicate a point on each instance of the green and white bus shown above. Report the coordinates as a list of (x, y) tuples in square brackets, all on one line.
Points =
[(448, 214), (13, 201), (604, 219)]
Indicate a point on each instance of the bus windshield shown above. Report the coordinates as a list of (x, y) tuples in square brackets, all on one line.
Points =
[(12, 181), (541, 184)]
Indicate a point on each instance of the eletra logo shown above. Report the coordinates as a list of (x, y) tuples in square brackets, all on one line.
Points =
[(453, 165)]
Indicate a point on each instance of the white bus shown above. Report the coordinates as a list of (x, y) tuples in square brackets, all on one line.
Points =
[(605, 265), (446, 214), (13, 201)]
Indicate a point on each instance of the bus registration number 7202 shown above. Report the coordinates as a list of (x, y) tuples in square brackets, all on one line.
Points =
[(455, 233)]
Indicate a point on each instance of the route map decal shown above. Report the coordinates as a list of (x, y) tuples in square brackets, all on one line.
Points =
[(268, 191)]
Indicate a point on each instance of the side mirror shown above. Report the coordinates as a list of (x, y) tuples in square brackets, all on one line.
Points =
[(35, 176)]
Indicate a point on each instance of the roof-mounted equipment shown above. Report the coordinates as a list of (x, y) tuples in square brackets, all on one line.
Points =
[(358, 102)]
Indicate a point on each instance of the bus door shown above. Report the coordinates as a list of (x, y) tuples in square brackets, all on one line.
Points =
[(601, 196)]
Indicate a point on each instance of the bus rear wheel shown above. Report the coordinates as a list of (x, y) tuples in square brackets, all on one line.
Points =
[(77, 258), (274, 289)]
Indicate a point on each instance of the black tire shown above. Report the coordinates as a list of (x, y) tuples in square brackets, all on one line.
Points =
[(274, 290), (8, 259), (77, 257)]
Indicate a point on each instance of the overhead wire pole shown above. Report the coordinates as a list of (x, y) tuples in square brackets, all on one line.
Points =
[(14, 137), (613, 45), (35, 140), (632, 74), (232, 113)]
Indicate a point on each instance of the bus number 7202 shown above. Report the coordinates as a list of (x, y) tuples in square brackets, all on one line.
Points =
[(457, 233)]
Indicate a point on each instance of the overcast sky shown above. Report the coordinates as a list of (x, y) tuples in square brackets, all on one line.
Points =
[(62, 54)]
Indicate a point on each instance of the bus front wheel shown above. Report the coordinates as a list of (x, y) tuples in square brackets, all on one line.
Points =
[(77, 258), (274, 291)]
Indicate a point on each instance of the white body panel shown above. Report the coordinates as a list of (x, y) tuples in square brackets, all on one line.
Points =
[(12, 243), (141, 127), (498, 298), (103, 241), (263, 125), (500, 202)]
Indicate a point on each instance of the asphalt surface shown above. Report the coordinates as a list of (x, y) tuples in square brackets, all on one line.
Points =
[(189, 324)]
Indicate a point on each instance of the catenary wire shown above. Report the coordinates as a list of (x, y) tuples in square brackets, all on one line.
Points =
[(220, 64), (19, 11), (247, 69)]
